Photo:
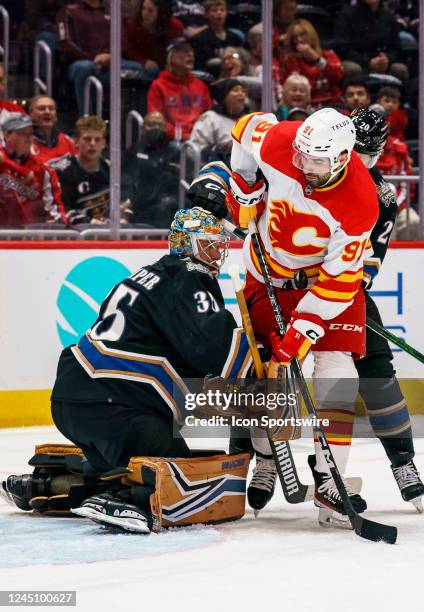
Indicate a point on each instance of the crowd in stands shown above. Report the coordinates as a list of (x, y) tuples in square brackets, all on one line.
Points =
[(192, 67)]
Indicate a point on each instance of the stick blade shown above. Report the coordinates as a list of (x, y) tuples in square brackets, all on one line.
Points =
[(376, 532)]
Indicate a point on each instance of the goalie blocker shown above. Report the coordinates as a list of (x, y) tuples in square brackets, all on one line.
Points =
[(151, 493)]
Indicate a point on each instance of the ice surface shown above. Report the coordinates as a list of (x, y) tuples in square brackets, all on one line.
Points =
[(282, 560)]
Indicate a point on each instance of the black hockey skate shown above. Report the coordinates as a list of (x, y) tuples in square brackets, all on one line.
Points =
[(115, 511), (409, 483), (262, 485), (328, 500), (19, 490)]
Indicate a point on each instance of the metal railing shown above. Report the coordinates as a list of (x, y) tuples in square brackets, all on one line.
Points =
[(40, 86), (133, 117), (4, 47), (39, 234), (183, 184), (90, 83)]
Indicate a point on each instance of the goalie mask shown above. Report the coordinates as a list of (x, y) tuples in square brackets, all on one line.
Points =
[(372, 131), (319, 142), (197, 234)]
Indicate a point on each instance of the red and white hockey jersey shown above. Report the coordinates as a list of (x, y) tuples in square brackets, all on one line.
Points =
[(323, 231)]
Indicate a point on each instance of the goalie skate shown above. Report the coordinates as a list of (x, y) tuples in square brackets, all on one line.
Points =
[(112, 511)]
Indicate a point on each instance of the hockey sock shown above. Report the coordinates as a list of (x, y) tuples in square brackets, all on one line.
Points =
[(389, 417)]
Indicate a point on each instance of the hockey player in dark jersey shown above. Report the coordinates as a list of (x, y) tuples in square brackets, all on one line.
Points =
[(119, 393), (378, 386)]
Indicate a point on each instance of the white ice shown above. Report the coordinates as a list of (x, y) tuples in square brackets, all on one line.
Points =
[(282, 560)]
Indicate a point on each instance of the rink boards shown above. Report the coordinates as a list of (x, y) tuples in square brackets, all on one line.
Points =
[(51, 293)]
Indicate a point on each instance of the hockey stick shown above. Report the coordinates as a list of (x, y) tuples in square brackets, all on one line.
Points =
[(294, 491), (381, 331), (363, 527)]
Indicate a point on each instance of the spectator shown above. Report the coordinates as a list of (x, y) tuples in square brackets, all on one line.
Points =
[(284, 16), (296, 94), (49, 146), (355, 94), (397, 117), (254, 45), (367, 40), (303, 54), (85, 181), (191, 13), (155, 201), (212, 130), (177, 93), (149, 33), (84, 35), (209, 42), (254, 40), (235, 65), (29, 190)]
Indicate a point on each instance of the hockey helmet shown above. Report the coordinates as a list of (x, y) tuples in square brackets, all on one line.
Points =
[(372, 131), (197, 234), (324, 134)]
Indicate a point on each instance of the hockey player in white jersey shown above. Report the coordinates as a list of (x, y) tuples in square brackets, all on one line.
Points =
[(314, 227)]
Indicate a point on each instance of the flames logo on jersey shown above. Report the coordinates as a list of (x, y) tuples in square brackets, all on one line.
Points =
[(296, 232)]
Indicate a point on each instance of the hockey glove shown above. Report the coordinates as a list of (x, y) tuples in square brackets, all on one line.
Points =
[(244, 201), (303, 331), (210, 196)]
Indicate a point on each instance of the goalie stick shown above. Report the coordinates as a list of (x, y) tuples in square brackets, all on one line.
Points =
[(363, 527)]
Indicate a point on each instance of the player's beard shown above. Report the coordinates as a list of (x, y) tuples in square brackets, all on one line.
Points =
[(317, 180)]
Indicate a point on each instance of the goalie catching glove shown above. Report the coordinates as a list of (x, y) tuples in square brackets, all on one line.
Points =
[(303, 330), (244, 201)]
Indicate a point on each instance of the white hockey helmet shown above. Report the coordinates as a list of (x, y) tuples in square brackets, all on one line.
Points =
[(325, 133)]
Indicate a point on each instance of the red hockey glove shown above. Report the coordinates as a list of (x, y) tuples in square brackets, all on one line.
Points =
[(244, 201), (303, 331)]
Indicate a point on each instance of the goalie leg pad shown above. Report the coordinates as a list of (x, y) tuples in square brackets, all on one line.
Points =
[(180, 492), (56, 483)]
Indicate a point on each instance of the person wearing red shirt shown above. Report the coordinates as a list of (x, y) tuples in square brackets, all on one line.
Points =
[(303, 54), (49, 146), (177, 93), (29, 191), (149, 32), (396, 116)]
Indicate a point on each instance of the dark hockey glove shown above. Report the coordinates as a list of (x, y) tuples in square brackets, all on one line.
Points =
[(210, 196)]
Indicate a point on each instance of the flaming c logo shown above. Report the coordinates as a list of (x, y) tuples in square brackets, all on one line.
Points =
[(294, 231)]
